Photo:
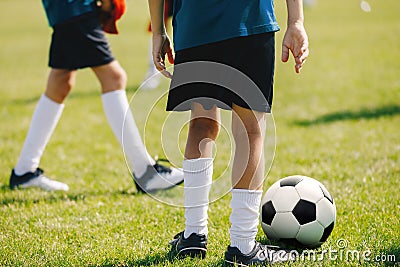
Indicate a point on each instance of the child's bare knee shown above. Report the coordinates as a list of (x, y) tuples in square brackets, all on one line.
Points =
[(206, 127)]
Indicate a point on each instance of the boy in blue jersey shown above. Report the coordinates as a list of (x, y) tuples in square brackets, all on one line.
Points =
[(224, 58), (78, 41)]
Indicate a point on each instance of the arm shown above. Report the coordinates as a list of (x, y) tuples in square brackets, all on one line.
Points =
[(295, 39), (161, 42)]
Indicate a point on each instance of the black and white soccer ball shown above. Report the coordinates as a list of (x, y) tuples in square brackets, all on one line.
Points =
[(298, 210)]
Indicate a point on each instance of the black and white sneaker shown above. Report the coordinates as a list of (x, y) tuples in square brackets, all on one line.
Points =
[(158, 177), (260, 255), (36, 179), (193, 246)]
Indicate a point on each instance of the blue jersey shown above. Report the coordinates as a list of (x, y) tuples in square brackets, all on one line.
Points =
[(198, 22), (59, 11)]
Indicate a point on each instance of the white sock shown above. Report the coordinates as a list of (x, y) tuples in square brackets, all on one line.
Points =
[(197, 184), (116, 106), (43, 123), (244, 218)]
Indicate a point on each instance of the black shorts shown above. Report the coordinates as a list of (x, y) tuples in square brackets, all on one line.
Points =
[(235, 71), (79, 44)]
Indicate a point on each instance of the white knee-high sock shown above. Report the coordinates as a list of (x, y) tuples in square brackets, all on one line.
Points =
[(244, 218), (197, 184), (43, 123), (119, 116)]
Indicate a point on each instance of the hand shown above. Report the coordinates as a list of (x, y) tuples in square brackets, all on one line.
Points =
[(162, 47), (296, 41)]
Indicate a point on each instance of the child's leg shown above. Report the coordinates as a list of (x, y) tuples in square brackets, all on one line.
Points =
[(116, 107), (45, 119), (111, 76), (198, 167), (59, 84), (203, 130), (248, 129)]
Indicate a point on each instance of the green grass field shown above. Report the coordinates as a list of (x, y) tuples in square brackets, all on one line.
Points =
[(339, 122)]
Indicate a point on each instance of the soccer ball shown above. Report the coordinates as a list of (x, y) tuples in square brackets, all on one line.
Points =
[(298, 210)]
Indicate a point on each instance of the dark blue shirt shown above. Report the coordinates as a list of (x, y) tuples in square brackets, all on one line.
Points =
[(198, 22), (59, 11)]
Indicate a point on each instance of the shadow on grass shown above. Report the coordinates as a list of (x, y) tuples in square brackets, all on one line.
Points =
[(23, 196), (74, 94), (390, 256), (286, 245), (153, 259), (162, 258), (149, 260), (363, 113)]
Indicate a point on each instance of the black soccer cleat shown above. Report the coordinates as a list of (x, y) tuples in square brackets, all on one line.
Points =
[(260, 255), (36, 179), (158, 177), (193, 246)]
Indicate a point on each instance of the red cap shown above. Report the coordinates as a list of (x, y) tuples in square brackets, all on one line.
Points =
[(118, 9)]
